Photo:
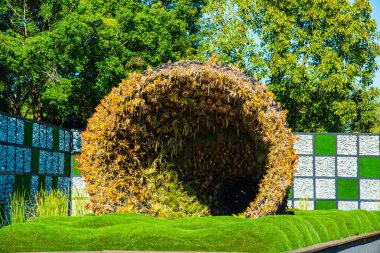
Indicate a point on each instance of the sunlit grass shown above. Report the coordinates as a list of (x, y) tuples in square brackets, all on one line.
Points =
[(129, 231)]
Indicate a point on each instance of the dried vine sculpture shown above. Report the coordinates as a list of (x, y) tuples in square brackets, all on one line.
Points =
[(188, 138)]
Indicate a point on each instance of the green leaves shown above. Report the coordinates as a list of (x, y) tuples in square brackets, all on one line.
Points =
[(59, 58), (315, 55)]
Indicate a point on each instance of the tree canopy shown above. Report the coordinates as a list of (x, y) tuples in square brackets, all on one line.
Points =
[(317, 56), (59, 58)]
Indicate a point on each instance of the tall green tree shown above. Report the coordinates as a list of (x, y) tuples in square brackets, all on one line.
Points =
[(24, 69), (58, 58), (317, 56), (376, 126), (191, 12)]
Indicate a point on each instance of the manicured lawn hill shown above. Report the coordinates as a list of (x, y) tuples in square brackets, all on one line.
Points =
[(138, 232)]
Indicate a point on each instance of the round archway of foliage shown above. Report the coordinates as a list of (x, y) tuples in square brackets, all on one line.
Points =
[(188, 139)]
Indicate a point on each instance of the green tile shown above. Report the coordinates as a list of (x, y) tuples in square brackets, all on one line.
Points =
[(67, 164), (27, 182), (54, 184), (2, 214), (348, 189), (18, 183), (325, 204), (75, 171), (35, 161), (369, 167), (325, 144), (55, 138), (290, 193), (41, 182), (28, 133)]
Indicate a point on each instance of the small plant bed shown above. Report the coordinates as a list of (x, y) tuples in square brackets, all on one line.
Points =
[(128, 231)]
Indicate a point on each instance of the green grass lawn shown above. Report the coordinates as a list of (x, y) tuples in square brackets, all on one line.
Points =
[(129, 231)]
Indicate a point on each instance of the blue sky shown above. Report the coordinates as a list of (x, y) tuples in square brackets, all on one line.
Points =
[(376, 15)]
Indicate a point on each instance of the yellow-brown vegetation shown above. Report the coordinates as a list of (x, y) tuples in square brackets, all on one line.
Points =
[(188, 138)]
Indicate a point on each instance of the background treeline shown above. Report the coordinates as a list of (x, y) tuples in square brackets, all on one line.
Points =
[(58, 58)]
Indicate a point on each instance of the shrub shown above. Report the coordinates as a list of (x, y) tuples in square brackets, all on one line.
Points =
[(221, 132)]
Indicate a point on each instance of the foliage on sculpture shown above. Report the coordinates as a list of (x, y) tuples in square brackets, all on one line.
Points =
[(188, 139)]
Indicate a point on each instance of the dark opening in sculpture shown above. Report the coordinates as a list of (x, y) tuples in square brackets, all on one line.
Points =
[(223, 170)]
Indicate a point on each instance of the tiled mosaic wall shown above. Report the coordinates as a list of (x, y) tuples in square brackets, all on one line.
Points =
[(334, 170), (33, 155), (337, 171), (79, 195)]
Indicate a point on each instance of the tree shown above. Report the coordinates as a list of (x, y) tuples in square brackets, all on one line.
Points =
[(317, 56), (376, 126), (24, 67), (228, 36), (188, 10), (59, 58), (368, 111)]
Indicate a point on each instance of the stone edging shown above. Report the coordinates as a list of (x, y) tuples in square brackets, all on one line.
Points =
[(368, 237)]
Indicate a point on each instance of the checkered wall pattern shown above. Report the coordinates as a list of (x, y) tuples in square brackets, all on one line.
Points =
[(334, 170), (33, 155), (337, 171)]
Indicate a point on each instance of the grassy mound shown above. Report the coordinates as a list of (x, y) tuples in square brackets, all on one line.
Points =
[(130, 231)]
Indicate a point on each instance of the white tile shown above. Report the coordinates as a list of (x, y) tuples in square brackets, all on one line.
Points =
[(304, 204), (305, 166), (369, 145), (304, 145), (78, 187), (348, 205), (370, 189), (325, 166), (370, 206), (303, 188), (346, 144), (325, 188), (347, 166)]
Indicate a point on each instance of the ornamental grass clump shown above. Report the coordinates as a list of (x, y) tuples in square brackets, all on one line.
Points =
[(19, 207), (44, 204), (52, 203), (188, 139), (2, 217)]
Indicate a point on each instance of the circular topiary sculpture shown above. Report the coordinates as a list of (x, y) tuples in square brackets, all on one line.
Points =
[(188, 138)]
